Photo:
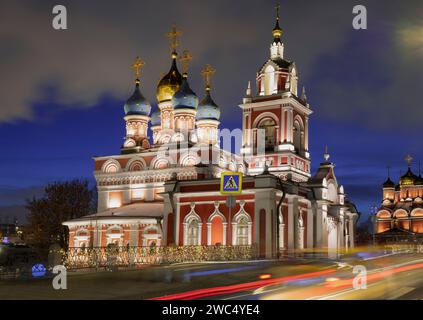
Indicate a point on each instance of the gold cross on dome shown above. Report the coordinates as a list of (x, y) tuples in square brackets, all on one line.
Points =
[(173, 37), (185, 59), (207, 74), (408, 159), (137, 65)]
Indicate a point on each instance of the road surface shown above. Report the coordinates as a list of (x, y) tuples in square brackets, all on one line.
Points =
[(388, 277)]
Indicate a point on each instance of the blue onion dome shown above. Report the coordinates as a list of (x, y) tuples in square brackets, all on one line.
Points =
[(155, 118), (208, 109), (137, 104), (185, 98), (170, 83)]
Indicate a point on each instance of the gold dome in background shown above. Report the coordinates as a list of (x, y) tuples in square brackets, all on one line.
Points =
[(170, 83)]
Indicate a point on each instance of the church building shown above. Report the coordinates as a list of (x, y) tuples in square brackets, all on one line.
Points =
[(400, 217), (164, 190)]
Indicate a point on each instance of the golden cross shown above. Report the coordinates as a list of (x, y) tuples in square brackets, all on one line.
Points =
[(207, 73), (185, 59), (408, 159), (137, 65), (173, 37)]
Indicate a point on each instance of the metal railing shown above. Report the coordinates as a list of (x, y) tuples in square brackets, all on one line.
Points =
[(100, 257)]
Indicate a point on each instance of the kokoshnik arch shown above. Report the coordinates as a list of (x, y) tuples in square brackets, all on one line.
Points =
[(164, 191)]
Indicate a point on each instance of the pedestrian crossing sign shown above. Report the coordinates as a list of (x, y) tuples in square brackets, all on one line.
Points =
[(231, 183)]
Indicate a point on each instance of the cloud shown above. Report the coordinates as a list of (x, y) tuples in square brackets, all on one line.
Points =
[(375, 75), (75, 67), (362, 75)]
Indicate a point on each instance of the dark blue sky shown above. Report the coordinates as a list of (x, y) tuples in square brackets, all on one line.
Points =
[(66, 105)]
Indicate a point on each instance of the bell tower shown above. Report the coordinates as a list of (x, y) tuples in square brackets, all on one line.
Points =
[(275, 119)]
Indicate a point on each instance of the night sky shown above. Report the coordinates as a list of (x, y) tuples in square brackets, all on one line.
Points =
[(62, 92)]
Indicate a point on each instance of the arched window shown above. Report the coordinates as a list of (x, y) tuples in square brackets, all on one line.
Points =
[(297, 137), (114, 235), (111, 166), (332, 192), (192, 236), (294, 81), (136, 166), (242, 232), (192, 228), (269, 127), (269, 80), (242, 227)]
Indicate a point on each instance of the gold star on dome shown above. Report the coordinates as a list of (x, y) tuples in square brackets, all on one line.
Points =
[(173, 37), (207, 74), (137, 65)]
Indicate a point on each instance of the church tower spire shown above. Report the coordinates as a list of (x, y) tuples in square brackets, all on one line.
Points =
[(277, 47), (277, 31)]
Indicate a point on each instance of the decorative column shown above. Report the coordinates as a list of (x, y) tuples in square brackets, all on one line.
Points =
[(209, 233), (310, 227), (306, 135), (103, 198), (185, 226), (133, 235), (254, 140), (234, 232), (200, 229), (278, 141), (292, 212), (281, 236), (290, 124), (351, 232), (250, 233), (283, 138), (126, 196)]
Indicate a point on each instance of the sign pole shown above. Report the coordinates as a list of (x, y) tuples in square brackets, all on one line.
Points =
[(229, 225), (230, 184)]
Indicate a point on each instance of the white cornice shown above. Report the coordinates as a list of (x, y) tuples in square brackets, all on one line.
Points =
[(263, 105), (90, 221)]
